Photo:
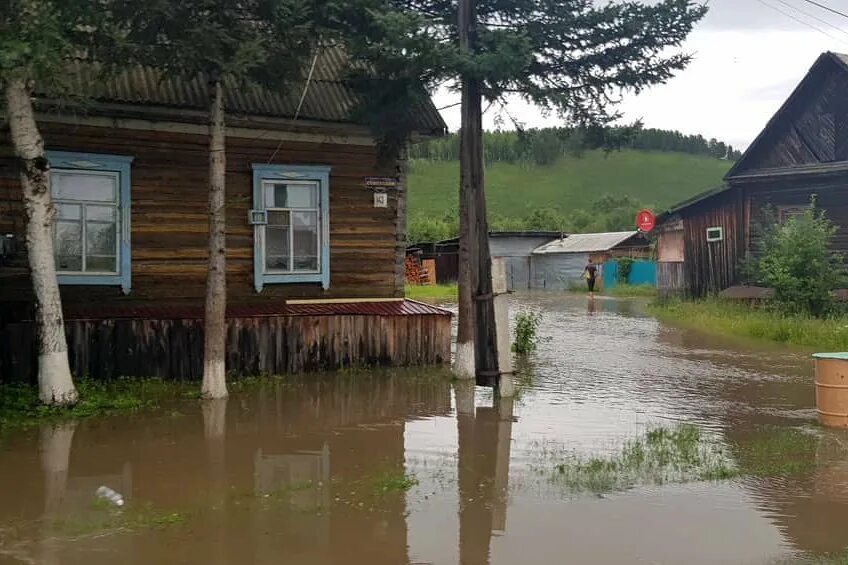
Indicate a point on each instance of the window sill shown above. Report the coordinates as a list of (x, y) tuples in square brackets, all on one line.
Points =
[(95, 280), (269, 279)]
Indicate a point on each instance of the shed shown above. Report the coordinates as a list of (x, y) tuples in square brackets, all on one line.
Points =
[(559, 264), (129, 168), (801, 154), (514, 247)]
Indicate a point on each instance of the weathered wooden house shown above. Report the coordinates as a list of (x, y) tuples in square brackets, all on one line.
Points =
[(315, 272), (801, 154)]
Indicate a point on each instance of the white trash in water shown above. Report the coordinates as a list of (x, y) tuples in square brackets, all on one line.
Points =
[(108, 494)]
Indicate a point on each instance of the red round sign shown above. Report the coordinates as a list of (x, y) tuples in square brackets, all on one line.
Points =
[(646, 221)]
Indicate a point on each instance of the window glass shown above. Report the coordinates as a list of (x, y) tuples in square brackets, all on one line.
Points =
[(277, 241), (305, 241), (86, 233), (68, 246), (292, 234), (291, 195), (68, 185), (68, 212)]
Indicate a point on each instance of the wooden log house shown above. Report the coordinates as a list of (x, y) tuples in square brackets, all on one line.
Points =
[(801, 154), (315, 259)]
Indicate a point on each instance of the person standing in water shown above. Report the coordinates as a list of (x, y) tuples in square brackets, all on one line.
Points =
[(590, 271)]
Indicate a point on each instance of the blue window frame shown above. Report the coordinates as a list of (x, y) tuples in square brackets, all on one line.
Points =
[(91, 193), (291, 219)]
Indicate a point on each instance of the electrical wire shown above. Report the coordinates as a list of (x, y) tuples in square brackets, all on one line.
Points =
[(299, 104), (829, 9), (813, 16), (802, 22)]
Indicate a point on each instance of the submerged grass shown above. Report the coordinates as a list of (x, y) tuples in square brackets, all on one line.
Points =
[(728, 318), (662, 455), (435, 293), (104, 518), (20, 407), (632, 290), (396, 481), (777, 451)]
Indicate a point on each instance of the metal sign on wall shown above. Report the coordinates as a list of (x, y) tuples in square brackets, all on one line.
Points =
[(379, 185), (381, 182)]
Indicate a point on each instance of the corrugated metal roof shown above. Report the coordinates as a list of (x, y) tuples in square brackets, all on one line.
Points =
[(376, 308), (328, 98), (585, 242)]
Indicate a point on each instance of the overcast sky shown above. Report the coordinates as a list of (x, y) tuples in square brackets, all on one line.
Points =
[(748, 56)]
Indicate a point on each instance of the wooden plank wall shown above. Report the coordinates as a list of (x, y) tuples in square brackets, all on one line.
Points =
[(831, 194), (812, 131), (671, 279), (173, 349), (712, 267), (169, 221)]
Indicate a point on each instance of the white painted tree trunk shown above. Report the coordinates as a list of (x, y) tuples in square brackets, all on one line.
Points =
[(54, 373), (215, 329)]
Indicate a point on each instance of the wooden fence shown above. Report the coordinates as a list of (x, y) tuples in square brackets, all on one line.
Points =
[(173, 348)]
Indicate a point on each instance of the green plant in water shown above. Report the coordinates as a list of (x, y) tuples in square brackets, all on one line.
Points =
[(393, 482), (662, 455), (526, 332), (777, 451), (104, 517)]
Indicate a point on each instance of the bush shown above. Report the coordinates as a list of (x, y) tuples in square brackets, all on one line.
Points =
[(625, 267), (797, 263), (526, 332)]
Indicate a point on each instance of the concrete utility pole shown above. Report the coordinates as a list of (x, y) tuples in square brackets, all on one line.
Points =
[(476, 307)]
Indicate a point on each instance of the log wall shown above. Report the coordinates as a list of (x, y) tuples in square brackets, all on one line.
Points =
[(828, 190), (173, 348), (713, 266), (169, 218)]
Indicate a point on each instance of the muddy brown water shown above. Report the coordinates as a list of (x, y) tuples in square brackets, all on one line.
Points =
[(308, 472)]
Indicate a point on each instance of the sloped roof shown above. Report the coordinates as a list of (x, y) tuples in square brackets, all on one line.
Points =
[(585, 243), (327, 99), (698, 198), (799, 97)]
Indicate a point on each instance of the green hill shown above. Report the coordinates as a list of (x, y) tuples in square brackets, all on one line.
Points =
[(653, 178)]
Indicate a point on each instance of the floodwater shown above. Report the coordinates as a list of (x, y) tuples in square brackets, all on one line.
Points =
[(316, 471)]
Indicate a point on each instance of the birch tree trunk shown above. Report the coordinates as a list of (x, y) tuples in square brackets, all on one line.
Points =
[(54, 373), (464, 365), (214, 351)]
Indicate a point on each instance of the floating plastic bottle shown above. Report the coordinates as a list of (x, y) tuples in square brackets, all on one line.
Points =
[(106, 493)]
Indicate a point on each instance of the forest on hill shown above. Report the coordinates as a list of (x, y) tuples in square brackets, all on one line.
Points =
[(561, 179)]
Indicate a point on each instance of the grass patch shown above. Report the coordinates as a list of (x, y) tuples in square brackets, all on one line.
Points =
[(103, 518), (632, 290), (20, 407), (777, 451), (655, 177), (433, 293), (662, 455), (393, 482), (729, 318)]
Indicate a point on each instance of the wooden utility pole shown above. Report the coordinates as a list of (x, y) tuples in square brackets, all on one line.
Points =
[(475, 261)]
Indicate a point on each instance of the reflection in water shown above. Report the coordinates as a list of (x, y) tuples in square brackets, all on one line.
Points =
[(287, 473), (56, 440)]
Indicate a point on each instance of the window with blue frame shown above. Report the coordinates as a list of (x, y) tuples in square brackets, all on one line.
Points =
[(91, 193), (291, 225)]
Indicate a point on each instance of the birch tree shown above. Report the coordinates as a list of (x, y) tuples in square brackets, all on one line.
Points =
[(37, 40), (231, 44)]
